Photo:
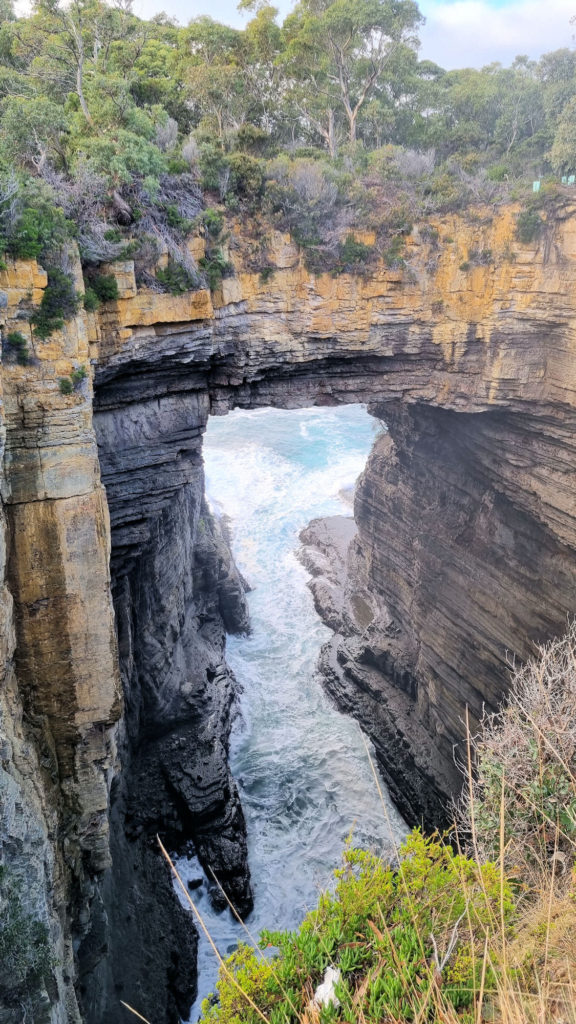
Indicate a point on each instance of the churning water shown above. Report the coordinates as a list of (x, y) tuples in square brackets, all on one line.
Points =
[(304, 777)]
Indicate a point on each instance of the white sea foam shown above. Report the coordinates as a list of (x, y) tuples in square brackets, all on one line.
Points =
[(301, 766)]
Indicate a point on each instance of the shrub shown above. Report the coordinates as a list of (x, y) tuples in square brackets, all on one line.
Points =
[(526, 757), (178, 165), (78, 375), (412, 163), (175, 220), (252, 139), (175, 278), (246, 176), (394, 254), (529, 226), (498, 172), (37, 229), (16, 345), (213, 168), (105, 287), (91, 301), (383, 928), (60, 301), (215, 266), (302, 196), (213, 221), (72, 383), (353, 255), (444, 192)]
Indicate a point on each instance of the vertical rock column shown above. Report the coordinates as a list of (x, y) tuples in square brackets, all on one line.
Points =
[(57, 561)]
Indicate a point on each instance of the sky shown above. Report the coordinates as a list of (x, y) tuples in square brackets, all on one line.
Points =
[(457, 33)]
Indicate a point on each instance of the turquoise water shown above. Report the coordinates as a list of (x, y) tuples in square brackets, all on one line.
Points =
[(304, 776)]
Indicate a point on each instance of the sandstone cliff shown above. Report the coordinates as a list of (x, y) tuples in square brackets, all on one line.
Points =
[(465, 551)]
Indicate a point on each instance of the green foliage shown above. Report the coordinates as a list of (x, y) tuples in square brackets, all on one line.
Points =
[(78, 375), (60, 301), (15, 345), (529, 225), (394, 254), (213, 167), (125, 155), (105, 287), (175, 278), (30, 126), (563, 152), (91, 300), (383, 928), (254, 140), (213, 221), (353, 256), (246, 177), (38, 227), (215, 266), (177, 165), (68, 385), (25, 958), (97, 102)]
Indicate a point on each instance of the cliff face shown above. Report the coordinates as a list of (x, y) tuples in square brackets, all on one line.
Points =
[(465, 550), (60, 694), (90, 776), (466, 509)]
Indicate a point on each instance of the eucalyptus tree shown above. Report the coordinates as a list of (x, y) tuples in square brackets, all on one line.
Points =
[(214, 75), (344, 50)]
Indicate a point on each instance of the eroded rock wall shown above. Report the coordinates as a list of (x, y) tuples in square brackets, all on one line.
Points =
[(60, 695), (466, 511), (466, 550)]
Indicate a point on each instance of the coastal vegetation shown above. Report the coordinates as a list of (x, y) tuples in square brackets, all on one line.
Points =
[(473, 925), (125, 137)]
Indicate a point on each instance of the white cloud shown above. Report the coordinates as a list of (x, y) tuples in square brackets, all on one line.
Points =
[(471, 33)]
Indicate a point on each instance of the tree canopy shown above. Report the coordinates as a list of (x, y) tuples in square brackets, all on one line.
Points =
[(120, 123)]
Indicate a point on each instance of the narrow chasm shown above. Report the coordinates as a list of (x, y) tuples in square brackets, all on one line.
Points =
[(302, 767), (176, 592)]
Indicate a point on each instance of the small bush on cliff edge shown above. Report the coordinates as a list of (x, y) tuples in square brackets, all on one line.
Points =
[(407, 941), (60, 301)]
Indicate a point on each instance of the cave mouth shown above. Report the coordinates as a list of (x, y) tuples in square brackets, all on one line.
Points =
[(301, 766)]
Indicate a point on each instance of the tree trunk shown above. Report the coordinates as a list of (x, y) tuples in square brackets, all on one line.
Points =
[(332, 134), (80, 92), (352, 122)]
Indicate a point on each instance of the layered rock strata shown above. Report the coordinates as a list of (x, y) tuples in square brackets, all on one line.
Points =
[(108, 737), (60, 696), (466, 509), (465, 551)]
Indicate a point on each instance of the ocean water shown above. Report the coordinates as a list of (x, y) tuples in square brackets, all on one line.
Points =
[(305, 779)]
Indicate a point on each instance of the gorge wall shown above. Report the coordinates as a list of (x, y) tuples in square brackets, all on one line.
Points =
[(116, 698)]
